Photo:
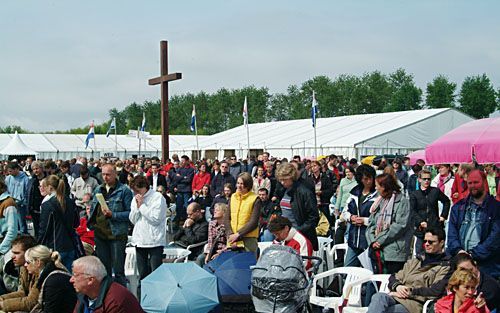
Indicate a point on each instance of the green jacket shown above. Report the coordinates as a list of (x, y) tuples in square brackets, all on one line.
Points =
[(395, 239)]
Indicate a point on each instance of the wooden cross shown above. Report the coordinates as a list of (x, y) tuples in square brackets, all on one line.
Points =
[(163, 79)]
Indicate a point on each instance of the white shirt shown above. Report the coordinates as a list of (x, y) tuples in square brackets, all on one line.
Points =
[(155, 181)]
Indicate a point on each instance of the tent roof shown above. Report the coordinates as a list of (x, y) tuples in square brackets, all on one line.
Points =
[(342, 131), (16, 146)]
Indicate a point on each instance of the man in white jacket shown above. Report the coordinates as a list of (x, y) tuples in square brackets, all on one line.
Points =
[(148, 211)]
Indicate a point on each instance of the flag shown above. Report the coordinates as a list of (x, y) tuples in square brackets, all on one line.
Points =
[(245, 112), (193, 119), (111, 127), (90, 135), (143, 124), (314, 110)]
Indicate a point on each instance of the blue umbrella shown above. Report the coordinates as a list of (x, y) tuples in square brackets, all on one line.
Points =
[(233, 272), (179, 288)]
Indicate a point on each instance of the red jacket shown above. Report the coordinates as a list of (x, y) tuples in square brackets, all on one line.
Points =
[(86, 235), (445, 305), (199, 180), (299, 243), (459, 186)]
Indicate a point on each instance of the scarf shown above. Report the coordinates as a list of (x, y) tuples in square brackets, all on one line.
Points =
[(384, 219), (442, 181)]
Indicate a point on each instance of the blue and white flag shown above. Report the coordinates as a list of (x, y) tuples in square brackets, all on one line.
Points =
[(111, 127), (314, 110), (193, 119), (143, 124), (245, 112), (90, 135)]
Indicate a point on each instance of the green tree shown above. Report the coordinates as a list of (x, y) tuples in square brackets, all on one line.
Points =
[(12, 129), (378, 92), (440, 93), (477, 96), (405, 94)]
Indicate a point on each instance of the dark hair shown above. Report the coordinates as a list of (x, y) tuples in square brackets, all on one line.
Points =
[(155, 164), (185, 157), (416, 168), (350, 168), (437, 231), (365, 170), (264, 189), (460, 258), (26, 241), (278, 223), (139, 182), (196, 206), (3, 186), (389, 183), (64, 164), (12, 165), (84, 170)]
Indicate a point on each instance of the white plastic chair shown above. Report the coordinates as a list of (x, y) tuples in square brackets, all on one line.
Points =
[(384, 287), (352, 274), (131, 271), (426, 305), (188, 248), (323, 251), (332, 256), (169, 221), (176, 254)]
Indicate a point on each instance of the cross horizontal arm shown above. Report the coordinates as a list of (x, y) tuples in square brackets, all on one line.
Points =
[(164, 78)]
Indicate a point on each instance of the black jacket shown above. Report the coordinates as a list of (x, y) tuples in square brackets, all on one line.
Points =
[(34, 197), (491, 291), (161, 180), (58, 294), (424, 208), (218, 182), (197, 233), (304, 208), (54, 221)]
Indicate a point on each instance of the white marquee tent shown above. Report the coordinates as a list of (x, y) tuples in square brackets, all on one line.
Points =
[(17, 147), (350, 136)]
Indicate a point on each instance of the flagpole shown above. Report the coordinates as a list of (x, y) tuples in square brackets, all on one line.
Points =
[(95, 149), (116, 139), (315, 122), (139, 136), (198, 152), (248, 130)]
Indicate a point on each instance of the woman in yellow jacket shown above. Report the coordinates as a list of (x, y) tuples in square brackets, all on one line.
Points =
[(243, 223)]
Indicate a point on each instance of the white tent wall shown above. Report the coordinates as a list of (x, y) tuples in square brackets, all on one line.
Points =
[(414, 136)]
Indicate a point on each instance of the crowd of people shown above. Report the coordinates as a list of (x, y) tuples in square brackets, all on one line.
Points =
[(435, 229)]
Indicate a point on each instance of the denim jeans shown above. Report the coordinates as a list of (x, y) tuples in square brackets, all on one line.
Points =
[(148, 259), (351, 258), (383, 303), (67, 259), (266, 236), (181, 202), (21, 212), (112, 255)]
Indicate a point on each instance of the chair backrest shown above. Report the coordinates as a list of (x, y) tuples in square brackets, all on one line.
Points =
[(337, 247), (384, 282), (353, 274), (130, 262)]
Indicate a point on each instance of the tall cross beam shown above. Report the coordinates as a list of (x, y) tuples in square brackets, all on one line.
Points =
[(163, 79)]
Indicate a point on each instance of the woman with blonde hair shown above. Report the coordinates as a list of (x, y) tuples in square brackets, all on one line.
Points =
[(57, 294), (58, 219), (462, 296)]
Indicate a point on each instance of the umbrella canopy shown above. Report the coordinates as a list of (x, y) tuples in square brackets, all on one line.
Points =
[(233, 272), (16, 146), (479, 138), (416, 155), (179, 288)]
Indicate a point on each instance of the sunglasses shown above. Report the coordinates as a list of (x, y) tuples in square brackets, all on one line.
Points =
[(426, 179), (430, 241)]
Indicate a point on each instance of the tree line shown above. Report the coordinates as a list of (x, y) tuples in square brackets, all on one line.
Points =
[(373, 92)]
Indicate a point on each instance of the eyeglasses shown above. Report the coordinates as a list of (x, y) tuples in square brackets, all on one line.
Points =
[(430, 241)]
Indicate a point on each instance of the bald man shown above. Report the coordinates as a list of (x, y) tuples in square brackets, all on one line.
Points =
[(474, 226)]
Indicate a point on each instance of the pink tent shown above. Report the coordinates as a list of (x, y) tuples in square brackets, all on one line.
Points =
[(415, 155), (479, 138)]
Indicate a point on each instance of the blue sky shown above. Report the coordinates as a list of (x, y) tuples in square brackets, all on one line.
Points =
[(65, 63)]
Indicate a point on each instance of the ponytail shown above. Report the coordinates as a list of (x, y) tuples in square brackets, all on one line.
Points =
[(60, 191), (56, 258), (58, 185)]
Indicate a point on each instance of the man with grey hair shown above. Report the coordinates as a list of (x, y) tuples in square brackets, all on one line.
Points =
[(96, 290), (34, 196)]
